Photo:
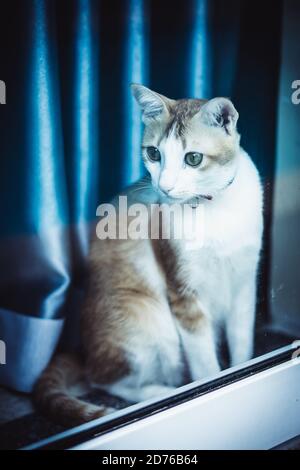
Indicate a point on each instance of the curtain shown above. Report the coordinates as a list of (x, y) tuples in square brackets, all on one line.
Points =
[(70, 134)]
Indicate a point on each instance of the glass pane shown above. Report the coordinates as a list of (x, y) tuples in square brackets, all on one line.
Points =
[(141, 248)]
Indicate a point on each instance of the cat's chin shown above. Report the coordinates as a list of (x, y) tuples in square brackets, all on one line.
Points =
[(195, 201), (192, 201)]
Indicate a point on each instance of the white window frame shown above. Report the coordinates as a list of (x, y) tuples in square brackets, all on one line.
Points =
[(252, 406)]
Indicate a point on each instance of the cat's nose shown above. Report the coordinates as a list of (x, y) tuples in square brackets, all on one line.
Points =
[(165, 189), (165, 185)]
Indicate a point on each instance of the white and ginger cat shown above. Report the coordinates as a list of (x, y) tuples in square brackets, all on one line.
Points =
[(154, 307)]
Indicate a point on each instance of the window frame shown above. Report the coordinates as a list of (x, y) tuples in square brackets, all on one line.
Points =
[(131, 426)]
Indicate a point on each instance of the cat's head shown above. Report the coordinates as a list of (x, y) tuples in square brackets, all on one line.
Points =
[(190, 146)]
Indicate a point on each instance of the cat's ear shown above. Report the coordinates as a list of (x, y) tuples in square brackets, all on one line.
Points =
[(220, 112), (154, 105)]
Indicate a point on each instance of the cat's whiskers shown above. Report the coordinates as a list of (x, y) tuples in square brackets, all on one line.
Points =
[(140, 188)]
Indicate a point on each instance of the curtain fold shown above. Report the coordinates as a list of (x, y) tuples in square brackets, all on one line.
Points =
[(85, 132), (136, 70), (45, 191), (70, 134), (200, 50)]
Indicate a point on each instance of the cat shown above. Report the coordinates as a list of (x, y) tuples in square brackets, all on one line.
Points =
[(154, 307)]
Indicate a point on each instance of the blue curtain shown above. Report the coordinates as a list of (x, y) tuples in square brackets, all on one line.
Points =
[(70, 134)]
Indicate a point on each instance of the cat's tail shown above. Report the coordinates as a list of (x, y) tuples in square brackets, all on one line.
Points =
[(55, 393)]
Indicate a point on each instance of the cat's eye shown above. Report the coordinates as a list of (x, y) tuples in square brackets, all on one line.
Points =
[(153, 154), (193, 158)]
